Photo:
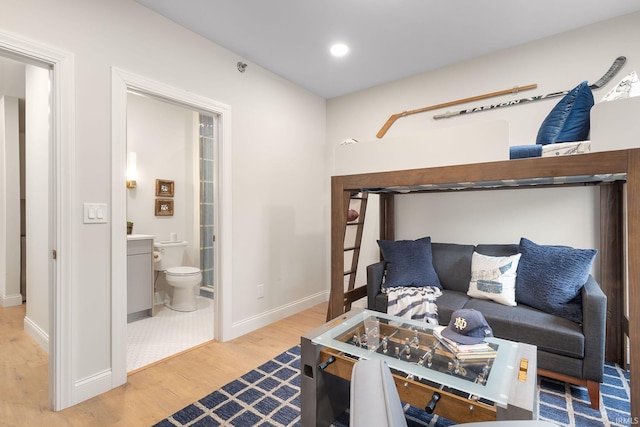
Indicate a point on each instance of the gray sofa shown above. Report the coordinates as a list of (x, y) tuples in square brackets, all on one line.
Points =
[(567, 351)]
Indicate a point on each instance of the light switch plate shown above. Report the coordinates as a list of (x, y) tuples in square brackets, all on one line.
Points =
[(95, 213)]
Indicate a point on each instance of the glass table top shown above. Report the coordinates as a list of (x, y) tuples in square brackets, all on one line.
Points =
[(409, 346)]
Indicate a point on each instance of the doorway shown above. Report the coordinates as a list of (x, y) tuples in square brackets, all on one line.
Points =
[(58, 68), (123, 84), (174, 145)]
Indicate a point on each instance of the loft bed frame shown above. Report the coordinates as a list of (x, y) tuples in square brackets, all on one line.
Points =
[(609, 170)]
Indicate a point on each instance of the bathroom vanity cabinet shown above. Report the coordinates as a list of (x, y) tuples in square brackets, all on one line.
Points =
[(139, 277)]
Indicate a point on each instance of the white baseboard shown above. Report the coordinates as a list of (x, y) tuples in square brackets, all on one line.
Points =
[(92, 386), (35, 332), (10, 300), (256, 322)]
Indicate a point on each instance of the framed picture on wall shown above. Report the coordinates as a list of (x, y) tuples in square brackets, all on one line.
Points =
[(164, 188), (164, 207)]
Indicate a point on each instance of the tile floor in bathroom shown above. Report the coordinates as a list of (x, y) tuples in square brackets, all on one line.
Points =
[(167, 333)]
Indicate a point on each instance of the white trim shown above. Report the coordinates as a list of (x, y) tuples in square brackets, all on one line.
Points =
[(36, 332), (223, 229), (195, 187), (118, 230), (121, 82), (256, 322), (62, 214), (10, 300), (91, 386)]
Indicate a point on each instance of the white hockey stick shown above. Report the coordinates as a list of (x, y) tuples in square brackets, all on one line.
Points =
[(613, 70)]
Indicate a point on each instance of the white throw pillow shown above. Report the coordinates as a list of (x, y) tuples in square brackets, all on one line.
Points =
[(494, 278)]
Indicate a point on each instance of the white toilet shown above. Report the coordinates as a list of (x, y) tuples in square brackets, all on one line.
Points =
[(184, 280)]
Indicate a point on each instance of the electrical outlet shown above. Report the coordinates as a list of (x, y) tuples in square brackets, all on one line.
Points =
[(261, 290)]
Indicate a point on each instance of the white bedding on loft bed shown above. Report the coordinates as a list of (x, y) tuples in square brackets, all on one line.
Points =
[(566, 148)]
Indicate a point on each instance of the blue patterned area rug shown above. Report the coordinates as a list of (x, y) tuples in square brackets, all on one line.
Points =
[(269, 396)]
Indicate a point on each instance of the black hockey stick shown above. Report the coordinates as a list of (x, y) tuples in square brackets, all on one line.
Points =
[(613, 70)]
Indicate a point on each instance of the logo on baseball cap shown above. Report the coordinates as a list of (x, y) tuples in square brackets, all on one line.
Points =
[(467, 326)]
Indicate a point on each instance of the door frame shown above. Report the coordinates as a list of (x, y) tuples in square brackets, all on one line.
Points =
[(123, 81), (61, 215)]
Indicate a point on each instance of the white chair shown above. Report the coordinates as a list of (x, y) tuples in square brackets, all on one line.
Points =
[(374, 400)]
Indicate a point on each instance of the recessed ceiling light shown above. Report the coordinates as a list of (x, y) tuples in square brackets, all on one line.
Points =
[(339, 49)]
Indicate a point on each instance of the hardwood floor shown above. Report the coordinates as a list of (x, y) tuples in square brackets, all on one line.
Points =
[(150, 394)]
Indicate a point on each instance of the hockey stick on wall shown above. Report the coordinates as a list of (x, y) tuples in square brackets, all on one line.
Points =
[(613, 70), (395, 117)]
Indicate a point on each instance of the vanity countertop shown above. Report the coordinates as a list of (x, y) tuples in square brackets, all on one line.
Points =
[(140, 236)]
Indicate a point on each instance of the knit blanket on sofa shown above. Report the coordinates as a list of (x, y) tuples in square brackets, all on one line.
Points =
[(414, 303)]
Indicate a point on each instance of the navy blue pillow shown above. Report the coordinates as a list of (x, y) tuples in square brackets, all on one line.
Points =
[(550, 278), (525, 151), (569, 120), (409, 263)]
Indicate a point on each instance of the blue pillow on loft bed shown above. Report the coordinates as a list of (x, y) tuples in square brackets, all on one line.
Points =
[(525, 151), (569, 121)]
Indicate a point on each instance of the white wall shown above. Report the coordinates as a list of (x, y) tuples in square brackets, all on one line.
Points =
[(556, 63), (11, 78), (278, 133), (553, 216), (12, 86), (37, 190), (163, 137), (9, 203)]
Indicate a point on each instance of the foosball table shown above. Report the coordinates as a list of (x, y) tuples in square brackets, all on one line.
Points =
[(499, 385)]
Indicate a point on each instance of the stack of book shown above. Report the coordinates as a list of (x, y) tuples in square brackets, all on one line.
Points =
[(483, 350)]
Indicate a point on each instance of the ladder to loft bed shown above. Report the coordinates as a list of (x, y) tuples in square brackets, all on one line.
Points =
[(352, 245), (340, 300)]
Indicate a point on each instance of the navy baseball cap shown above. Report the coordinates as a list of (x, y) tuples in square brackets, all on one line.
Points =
[(467, 326)]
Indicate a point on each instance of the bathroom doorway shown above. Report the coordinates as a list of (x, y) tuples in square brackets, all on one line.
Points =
[(172, 145), (123, 84)]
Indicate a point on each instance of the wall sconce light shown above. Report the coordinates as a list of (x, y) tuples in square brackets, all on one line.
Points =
[(132, 173)]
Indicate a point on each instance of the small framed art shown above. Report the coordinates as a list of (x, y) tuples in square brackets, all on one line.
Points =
[(164, 207), (164, 188)]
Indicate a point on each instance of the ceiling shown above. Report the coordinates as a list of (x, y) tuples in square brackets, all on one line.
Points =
[(388, 39)]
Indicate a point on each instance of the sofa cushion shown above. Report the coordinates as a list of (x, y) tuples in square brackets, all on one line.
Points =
[(550, 278), (569, 120), (498, 250), (526, 324), (409, 263), (494, 278), (571, 366), (449, 302), (452, 263)]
